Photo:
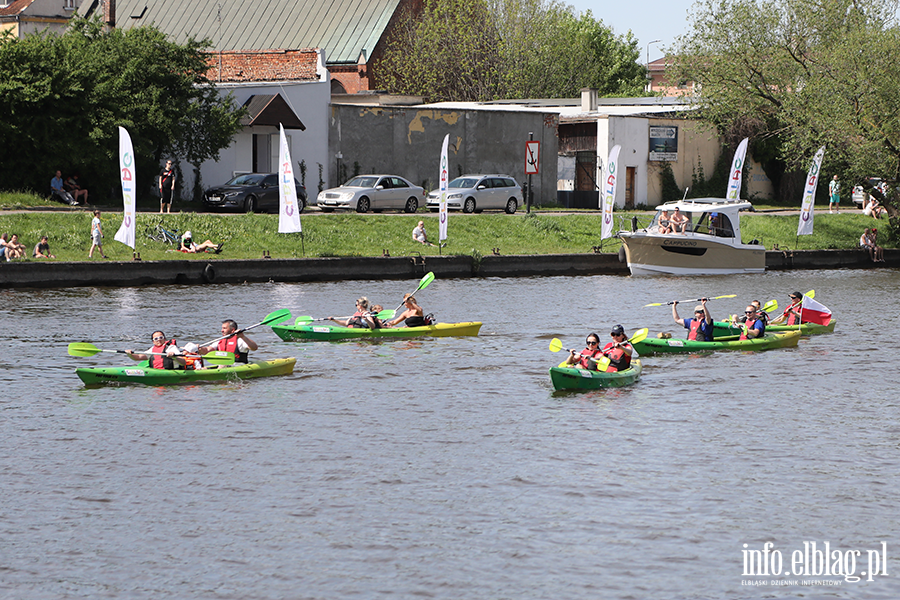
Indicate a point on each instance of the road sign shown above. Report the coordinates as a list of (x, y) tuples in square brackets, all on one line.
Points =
[(532, 158)]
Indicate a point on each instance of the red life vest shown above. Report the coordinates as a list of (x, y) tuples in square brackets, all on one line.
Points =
[(619, 360), (161, 362), (585, 355), (695, 330), (748, 325), (230, 344), (357, 320), (792, 319)]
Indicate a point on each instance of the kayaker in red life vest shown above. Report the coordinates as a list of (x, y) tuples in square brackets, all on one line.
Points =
[(753, 326), (236, 342), (737, 321), (791, 314), (160, 346), (586, 360), (701, 326), (619, 351)]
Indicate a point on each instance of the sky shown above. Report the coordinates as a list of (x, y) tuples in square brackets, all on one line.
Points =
[(648, 20)]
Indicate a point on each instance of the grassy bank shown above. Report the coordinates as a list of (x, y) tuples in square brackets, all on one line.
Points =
[(350, 234)]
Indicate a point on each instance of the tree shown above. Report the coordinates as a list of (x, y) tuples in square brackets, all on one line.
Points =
[(64, 96), (480, 50), (796, 75)]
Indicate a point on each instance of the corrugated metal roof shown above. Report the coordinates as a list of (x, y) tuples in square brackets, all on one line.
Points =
[(343, 28)]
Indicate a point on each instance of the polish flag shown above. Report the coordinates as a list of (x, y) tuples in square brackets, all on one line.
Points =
[(814, 312)]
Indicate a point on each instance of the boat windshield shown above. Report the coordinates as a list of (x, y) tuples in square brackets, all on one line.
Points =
[(709, 223), (715, 223)]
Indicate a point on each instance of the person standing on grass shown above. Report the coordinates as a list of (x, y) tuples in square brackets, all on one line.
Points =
[(834, 195), (166, 187), (96, 235)]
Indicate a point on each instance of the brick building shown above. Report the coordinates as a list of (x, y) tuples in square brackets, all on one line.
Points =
[(351, 34)]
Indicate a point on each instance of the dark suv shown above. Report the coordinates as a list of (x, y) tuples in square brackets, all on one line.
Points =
[(250, 192)]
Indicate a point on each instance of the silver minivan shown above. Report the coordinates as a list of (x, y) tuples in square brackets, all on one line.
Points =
[(475, 193)]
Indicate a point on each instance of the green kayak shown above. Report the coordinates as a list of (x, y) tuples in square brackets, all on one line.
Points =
[(724, 328), (141, 374), (568, 378), (652, 345), (327, 333)]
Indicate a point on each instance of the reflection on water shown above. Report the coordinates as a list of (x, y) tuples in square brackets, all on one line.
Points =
[(444, 467)]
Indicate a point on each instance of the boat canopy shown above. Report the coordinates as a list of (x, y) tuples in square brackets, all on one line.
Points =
[(711, 216)]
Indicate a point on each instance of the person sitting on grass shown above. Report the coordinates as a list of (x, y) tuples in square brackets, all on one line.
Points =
[(187, 245), (14, 248), (874, 209), (73, 186), (42, 249), (419, 235)]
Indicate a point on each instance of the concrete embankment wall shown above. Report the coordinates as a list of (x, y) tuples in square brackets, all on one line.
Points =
[(50, 274)]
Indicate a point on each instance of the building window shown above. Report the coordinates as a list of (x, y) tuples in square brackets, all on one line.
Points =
[(69, 5)]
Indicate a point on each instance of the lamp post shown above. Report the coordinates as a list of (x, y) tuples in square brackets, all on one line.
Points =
[(649, 78)]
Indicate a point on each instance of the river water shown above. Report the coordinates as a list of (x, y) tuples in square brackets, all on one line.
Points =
[(448, 468)]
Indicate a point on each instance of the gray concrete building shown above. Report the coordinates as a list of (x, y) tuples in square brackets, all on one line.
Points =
[(406, 141)]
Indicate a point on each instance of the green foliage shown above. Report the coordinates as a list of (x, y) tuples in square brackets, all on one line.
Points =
[(302, 165), (670, 189), (481, 50), (63, 98), (717, 185), (796, 75)]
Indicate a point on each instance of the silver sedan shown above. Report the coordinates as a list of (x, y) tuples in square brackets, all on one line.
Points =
[(373, 192)]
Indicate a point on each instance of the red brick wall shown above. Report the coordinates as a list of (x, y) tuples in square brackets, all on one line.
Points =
[(263, 65), (350, 78)]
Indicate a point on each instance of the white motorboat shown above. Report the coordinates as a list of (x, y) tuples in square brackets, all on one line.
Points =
[(708, 244)]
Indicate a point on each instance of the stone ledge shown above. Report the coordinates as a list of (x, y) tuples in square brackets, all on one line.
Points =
[(54, 274)]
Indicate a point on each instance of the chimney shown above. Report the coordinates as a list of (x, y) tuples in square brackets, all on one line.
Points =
[(588, 99), (109, 12)]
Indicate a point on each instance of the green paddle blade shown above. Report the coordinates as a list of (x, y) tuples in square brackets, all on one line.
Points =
[(770, 306), (429, 277), (219, 357), (555, 345), (811, 293), (386, 314), (276, 317), (725, 296), (83, 349), (303, 320)]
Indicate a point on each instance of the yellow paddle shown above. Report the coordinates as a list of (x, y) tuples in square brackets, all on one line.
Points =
[(671, 302)]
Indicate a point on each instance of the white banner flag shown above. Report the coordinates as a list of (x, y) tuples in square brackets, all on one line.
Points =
[(608, 194), (805, 227), (126, 172), (288, 206), (442, 234), (737, 167)]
